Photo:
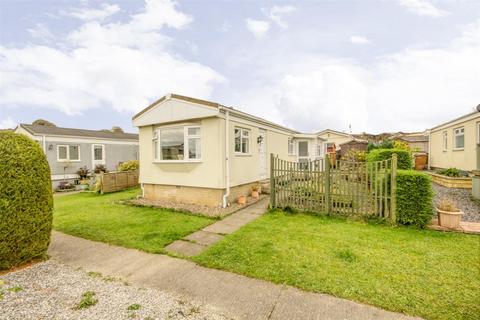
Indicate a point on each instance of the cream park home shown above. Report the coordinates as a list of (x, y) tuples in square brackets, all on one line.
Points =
[(453, 144), (202, 152)]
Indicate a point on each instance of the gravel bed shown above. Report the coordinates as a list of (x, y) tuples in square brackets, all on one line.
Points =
[(463, 200), (49, 290), (197, 209)]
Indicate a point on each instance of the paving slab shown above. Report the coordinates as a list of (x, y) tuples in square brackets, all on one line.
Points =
[(234, 295), (185, 248), (204, 238), (223, 227)]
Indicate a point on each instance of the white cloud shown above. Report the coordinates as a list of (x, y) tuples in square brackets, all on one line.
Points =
[(225, 27), (413, 89), (359, 40), (276, 14), (258, 28), (87, 14), (7, 123), (422, 8), (122, 65)]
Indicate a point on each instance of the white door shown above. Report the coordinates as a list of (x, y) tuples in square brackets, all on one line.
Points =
[(303, 154), (262, 153)]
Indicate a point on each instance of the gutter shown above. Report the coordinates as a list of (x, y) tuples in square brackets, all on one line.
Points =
[(227, 160)]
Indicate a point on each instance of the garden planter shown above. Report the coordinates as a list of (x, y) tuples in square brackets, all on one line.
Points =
[(242, 200), (255, 194), (449, 219)]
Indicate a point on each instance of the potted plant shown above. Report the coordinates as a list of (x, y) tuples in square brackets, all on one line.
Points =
[(256, 191), (449, 215), (242, 200)]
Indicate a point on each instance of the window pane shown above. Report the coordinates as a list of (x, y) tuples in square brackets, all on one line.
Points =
[(237, 141), (62, 153), (74, 154), (194, 151), (172, 144), (193, 131), (459, 141), (98, 153), (155, 149), (245, 145), (245, 133)]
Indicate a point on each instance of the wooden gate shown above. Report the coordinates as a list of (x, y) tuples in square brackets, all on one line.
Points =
[(341, 187)]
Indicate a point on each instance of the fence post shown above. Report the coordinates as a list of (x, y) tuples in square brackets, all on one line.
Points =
[(327, 185), (393, 191), (272, 181)]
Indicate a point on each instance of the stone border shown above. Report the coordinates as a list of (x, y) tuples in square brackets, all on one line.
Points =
[(451, 182)]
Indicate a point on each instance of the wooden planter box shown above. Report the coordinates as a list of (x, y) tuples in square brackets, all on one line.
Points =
[(451, 182)]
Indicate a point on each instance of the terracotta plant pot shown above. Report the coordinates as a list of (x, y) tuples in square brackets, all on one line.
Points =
[(449, 219), (255, 194), (242, 200)]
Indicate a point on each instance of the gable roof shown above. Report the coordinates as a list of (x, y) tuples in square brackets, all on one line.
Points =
[(213, 105), (456, 119), (333, 131), (70, 132)]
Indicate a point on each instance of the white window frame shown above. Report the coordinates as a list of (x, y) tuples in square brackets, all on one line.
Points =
[(445, 141), (249, 147), (95, 162), (455, 135), (157, 153), (67, 146), (478, 132), (291, 144)]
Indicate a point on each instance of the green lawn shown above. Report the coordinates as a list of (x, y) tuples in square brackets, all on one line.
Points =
[(103, 218), (419, 272)]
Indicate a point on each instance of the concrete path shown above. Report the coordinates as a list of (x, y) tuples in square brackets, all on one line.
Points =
[(233, 295), (197, 242)]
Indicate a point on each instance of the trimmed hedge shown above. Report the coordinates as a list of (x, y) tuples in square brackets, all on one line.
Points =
[(404, 158), (26, 202), (414, 198)]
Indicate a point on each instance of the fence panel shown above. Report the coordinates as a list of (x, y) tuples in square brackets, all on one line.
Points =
[(116, 181), (339, 187)]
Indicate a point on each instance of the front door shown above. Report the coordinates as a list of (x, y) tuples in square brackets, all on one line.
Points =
[(303, 155), (262, 153)]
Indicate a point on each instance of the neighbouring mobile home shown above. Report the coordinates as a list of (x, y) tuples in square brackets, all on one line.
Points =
[(67, 150), (453, 144)]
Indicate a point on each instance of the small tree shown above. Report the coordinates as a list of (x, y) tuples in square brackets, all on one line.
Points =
[(26, 202)]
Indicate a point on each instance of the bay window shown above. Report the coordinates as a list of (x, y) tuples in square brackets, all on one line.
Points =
[(177, 144), (242, 141)]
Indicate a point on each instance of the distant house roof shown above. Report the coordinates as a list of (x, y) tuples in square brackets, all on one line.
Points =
[(58, 131), (414, 138), (354, 139), (333, 131)]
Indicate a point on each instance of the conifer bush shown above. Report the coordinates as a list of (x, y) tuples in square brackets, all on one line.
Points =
[(26, 202)]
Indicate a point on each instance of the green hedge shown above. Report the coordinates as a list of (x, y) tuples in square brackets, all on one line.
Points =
[(404, 157), (26, 203), (414, 198)]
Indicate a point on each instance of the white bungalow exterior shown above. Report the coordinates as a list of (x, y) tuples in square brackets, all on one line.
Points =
[(202, 152)]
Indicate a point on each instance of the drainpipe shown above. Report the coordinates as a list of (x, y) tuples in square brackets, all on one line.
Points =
[(44, 144), (227, 160)]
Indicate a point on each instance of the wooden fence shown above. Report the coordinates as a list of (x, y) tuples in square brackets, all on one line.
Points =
[(340, 187), (116, 181)]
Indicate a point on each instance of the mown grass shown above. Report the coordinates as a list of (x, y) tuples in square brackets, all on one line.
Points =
[(418, 272), (104, 218)]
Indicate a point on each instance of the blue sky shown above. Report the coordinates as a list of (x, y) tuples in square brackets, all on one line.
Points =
[(373, 65)]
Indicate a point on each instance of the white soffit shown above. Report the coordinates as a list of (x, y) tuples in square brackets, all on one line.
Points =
[(172, 110)]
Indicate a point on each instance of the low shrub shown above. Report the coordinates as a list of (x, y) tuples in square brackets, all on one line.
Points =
[(83, 172), (26, 202), (99, 168), (355, 155), (404, 158), (453, 172), (414, 198), (65, 185), (129, 165)]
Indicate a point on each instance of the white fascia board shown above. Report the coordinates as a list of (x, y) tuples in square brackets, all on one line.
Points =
[(175, 110)]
